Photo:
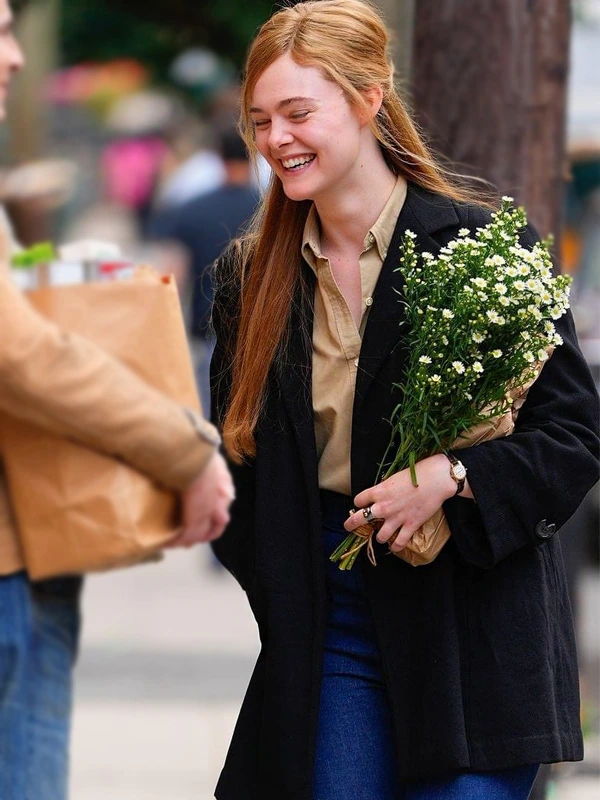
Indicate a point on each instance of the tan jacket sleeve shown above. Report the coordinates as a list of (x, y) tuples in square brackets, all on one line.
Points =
[(69, 386)]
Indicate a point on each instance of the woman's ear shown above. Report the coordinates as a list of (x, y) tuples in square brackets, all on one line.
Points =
[(374, 98)]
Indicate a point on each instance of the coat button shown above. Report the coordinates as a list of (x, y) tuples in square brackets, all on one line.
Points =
[(545, 530), (369, 301)]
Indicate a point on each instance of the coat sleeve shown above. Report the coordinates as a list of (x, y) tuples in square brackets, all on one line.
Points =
[(529, 484), (69, 386), (235, 549)]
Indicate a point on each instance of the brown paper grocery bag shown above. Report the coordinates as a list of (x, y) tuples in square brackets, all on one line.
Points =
[(78, 510)]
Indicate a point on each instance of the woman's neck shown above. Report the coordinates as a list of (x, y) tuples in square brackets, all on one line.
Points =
[(346, 218)]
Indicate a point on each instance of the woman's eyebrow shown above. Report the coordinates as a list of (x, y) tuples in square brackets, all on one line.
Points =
[(286, 102)]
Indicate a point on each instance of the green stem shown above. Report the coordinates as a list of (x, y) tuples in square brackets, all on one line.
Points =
[(346, 545), (412, 457)]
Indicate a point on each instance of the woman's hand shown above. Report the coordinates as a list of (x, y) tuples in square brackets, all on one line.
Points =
[(404, 507)]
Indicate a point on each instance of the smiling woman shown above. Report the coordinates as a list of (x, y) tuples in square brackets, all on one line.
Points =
[(385, 682), (313, 139)]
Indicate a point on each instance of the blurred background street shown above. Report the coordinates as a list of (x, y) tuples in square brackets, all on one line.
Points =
[(166, 655), (118, 128)]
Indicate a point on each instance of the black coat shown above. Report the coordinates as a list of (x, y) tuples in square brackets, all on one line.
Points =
[(478, 648)]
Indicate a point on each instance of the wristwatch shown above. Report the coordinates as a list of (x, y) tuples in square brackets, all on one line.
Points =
[(458, 472)]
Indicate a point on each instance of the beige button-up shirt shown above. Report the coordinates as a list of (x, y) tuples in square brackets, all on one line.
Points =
[(337, 340)]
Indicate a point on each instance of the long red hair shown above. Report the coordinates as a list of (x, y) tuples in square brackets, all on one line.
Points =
[(348, 41)]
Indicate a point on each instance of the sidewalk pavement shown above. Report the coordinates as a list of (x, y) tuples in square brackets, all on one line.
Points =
[(167, 653)]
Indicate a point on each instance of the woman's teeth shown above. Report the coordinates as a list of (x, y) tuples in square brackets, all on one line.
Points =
[(295, 163)]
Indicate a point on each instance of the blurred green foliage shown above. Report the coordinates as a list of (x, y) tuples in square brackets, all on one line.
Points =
[(155, 31)]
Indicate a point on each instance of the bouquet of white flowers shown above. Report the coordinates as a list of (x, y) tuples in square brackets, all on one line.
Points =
[(480, 318)]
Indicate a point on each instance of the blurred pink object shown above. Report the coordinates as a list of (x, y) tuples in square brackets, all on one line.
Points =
[(130, 169)]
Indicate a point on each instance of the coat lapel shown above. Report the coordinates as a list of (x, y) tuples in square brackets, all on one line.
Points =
[(425, 214), (295, 376)]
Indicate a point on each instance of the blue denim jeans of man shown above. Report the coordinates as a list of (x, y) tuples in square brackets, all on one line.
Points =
[(39, 633), (355, 755)]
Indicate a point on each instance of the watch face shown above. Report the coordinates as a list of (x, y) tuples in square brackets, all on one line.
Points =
[(459, 471)]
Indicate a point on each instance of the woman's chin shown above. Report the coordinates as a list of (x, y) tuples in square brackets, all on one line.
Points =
[(296, 193)]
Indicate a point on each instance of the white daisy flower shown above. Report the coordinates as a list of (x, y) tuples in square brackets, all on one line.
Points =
[(459, 367)]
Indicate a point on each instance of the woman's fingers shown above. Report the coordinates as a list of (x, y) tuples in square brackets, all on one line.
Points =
[(359, 518)]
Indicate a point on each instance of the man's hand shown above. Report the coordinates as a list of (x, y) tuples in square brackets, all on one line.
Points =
[(206, 505)]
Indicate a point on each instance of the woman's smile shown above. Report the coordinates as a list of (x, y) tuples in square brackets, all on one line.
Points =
[(296, 164)]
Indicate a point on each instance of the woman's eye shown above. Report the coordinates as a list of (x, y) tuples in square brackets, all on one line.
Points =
[(261, 123), (300, 115)]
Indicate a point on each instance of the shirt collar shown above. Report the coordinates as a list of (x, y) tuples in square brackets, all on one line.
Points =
[(379, 235)]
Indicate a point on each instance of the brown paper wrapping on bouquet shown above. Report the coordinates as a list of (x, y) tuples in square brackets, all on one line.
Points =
[(76, 509), (426, 544)]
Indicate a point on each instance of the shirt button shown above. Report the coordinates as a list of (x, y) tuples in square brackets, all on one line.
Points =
[(356, 362), (369, 301)]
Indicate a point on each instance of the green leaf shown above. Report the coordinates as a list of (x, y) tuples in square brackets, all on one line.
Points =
[(40, 253)]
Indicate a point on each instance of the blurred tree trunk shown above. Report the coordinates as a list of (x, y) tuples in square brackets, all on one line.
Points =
[(37, 32), (400, 14), (489, 88)]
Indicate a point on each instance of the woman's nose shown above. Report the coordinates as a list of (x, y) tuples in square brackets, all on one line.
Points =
[(279, 135)]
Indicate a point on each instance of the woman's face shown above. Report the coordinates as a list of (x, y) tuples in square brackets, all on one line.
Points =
[(307, 131)]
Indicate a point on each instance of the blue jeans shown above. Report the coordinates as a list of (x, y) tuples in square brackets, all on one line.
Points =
[(355, 755), (39, 632)]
